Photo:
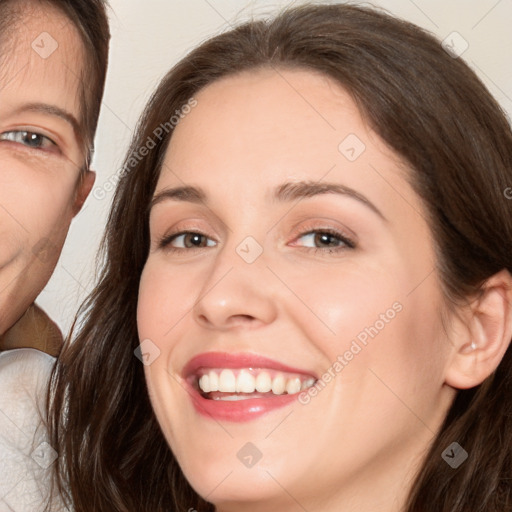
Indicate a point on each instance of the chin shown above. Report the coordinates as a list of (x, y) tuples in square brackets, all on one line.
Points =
[(241, 472), (241, 489)]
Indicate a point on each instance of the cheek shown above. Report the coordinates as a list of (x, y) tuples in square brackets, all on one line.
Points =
[(161, 323), (336, 304), (38, 201), (369, 316), (165, 297)]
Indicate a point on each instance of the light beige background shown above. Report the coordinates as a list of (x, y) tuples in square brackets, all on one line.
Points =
[(149, 36)]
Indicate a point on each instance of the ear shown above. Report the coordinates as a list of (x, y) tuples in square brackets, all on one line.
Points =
[(480, 344), (84, 187)]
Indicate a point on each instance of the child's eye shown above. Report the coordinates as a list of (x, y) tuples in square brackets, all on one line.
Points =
[(29, 139), (328, 240), (187, 240)]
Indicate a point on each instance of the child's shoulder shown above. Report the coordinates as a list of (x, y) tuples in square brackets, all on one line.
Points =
[(21, 362), (26, 454)]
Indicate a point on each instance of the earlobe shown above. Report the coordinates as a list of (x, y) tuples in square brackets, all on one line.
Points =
[(476, 355), (84, 188)]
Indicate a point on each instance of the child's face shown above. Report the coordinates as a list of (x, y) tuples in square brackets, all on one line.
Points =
[(333, 284), (40, 153)]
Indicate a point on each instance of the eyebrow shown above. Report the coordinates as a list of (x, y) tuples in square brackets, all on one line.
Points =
[(53, 110), (305, 189), (286, 192)]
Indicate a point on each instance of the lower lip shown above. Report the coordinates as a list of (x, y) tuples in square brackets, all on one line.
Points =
[(239, 410)]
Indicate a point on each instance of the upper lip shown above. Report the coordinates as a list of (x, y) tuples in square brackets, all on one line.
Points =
[(237, 361)]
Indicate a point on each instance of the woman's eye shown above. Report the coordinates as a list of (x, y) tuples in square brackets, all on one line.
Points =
[(188, 240), (30, 139), (328, 240), (325, 240)]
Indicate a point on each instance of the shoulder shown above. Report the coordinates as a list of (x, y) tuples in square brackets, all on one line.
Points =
[(25, 365), (24, 376), (25, 452)]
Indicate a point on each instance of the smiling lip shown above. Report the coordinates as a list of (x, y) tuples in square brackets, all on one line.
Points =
[(242, 410)]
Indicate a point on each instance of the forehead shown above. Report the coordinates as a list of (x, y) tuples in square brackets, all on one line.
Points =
[(271, 126), (41, 59), (263, 115)]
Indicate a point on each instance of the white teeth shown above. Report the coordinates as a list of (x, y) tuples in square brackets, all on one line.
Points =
[(278, 385), (263, 382), (204, 383), (307, 384), (227, 382), (214, 381), (293, 386), (232, 398), (244, 381)]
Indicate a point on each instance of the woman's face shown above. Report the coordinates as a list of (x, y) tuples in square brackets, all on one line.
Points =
[(289, 307)]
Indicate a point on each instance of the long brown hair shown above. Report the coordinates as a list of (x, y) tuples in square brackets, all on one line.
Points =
[(432, 110)]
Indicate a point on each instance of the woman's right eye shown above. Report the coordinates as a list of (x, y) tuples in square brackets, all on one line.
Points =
[(30, 139), (186, 240)]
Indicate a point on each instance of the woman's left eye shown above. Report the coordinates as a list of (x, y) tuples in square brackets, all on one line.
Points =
[(326, 240), (29, 139)]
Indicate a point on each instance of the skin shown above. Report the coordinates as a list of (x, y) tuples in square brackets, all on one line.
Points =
[(357, 444), (41, 185)]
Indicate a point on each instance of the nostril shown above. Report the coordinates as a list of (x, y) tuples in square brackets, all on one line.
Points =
[(233, 319), (241, 320), (244, 317)]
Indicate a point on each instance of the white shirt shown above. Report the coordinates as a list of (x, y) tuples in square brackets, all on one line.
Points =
[(26, 457)]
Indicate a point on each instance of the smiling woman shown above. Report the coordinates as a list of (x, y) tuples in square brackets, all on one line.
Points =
[(335, 196)]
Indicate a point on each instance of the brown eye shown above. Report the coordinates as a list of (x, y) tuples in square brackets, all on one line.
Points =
[(322, 239), (326, 240), (194, 240), (187, 240)]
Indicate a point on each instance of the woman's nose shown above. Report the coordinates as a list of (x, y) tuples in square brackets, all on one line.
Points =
[(239, 292)]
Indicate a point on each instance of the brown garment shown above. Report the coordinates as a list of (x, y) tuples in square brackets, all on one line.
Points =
[(34, 329)]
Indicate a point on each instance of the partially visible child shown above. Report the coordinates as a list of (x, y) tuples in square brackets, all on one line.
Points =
[(53, 59)]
